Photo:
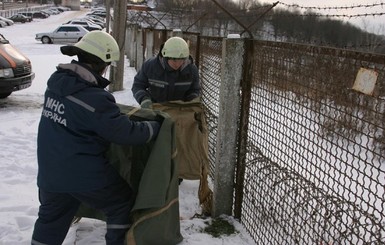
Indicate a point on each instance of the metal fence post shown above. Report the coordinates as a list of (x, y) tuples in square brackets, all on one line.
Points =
[(229, 101)]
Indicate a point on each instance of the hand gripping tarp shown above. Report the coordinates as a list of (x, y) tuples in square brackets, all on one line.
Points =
[(151, 170)]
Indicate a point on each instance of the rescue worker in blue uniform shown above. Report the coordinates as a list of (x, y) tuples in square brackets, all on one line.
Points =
[(78, 122), (171, 75)]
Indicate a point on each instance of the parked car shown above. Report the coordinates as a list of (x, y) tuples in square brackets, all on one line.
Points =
[(98, 13), (39, 15), (6, 20), (28, 14), (63, 34), (90, 21), (55, 10), (96, 21), (20, 18), (2, 23), (51, 11), (86, 24), (15, 69), (95, 17), (102, 9), (63, 9), (46, 12)]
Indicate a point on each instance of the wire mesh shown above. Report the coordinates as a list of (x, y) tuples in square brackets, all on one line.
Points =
[(315, 166), (210, 77)]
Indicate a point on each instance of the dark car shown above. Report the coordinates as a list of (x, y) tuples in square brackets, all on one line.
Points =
[(20, 18), (40, 15), (15, 69), (27, 14)]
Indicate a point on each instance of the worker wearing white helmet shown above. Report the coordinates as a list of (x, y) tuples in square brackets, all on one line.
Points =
[(171, 75), (79, 121)]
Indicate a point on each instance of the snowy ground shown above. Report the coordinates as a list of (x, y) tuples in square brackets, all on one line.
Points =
[(19, 118)]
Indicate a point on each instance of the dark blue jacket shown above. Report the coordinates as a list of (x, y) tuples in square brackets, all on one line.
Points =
[(159, 82), (78, 122)]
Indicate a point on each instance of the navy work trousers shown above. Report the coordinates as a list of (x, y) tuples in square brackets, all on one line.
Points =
[(57, 211)]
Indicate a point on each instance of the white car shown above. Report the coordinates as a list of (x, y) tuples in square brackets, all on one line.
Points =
[(86, 24), (6, 20), (3, 24), (98, 22), (63, 34)]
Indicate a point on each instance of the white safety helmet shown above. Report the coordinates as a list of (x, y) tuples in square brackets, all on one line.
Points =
[(98, 43), (175, 47)]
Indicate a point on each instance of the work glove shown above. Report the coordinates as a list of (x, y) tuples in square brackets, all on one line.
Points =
[(190, 97), (146, 104)]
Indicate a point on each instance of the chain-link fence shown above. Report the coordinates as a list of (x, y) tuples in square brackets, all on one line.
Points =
[(311, 163), (210, 78), (315, 168)]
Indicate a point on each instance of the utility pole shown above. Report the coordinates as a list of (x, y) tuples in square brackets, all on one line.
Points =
[(108, 16), (119, 33)]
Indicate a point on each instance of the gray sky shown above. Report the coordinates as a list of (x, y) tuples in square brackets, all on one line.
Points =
[(374, 24)]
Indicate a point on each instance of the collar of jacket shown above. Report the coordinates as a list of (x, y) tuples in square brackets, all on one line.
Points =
[(85, 73)]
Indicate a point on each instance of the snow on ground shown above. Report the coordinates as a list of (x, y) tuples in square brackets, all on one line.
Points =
[(19, 118)]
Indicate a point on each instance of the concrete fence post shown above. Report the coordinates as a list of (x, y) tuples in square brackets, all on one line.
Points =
[(139, 49), (131, 42), (177, 33), (229, 101), (149, 52)]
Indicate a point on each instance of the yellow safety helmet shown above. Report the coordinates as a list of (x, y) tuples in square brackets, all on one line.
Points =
[(98, 43), (175, 47)]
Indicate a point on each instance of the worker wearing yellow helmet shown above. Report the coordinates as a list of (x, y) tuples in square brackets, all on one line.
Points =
[(171, 75), (79, 121)]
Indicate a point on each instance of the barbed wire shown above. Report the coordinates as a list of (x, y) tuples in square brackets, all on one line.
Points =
[(336, 15), (272, 36), (375, 44), (321, 15), (334, 8)]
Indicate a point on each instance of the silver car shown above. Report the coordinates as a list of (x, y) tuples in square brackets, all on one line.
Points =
[(86, 24), (63, 34), (6, 20)]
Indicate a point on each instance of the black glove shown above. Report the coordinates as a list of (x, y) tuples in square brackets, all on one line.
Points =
[(190, 97)]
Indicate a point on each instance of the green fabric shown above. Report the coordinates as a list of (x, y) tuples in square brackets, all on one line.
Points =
[(151, 171)]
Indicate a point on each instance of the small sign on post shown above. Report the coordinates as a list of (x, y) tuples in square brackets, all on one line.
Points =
[(365, 81)]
